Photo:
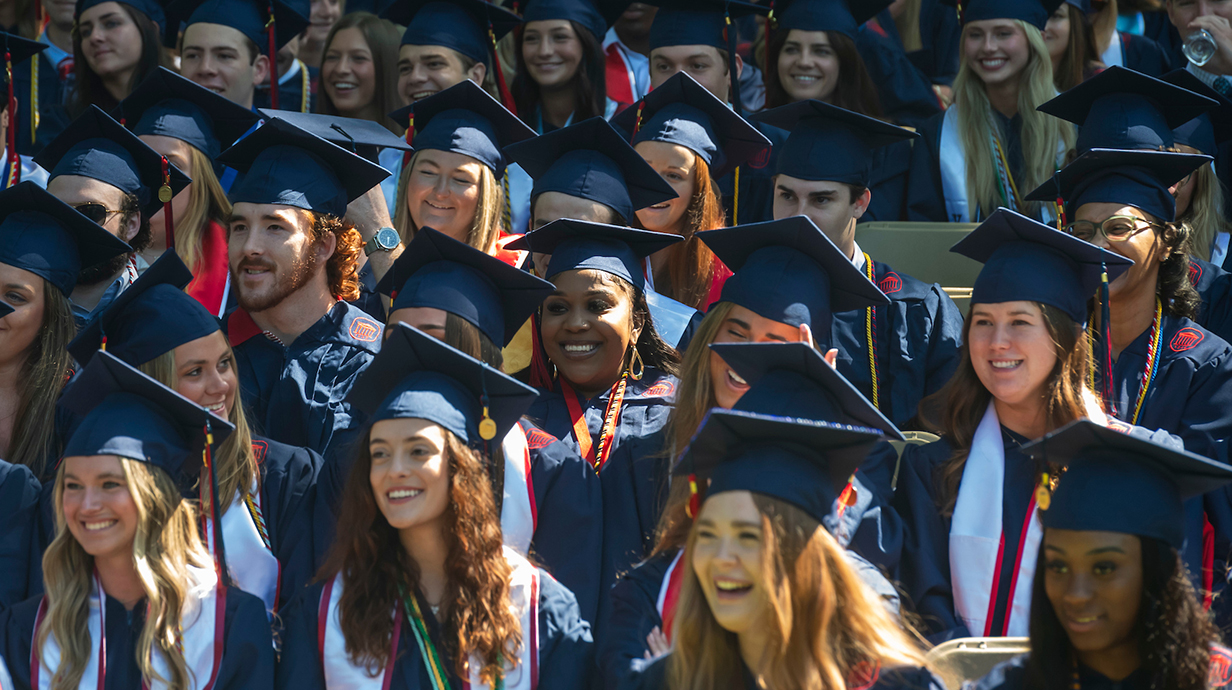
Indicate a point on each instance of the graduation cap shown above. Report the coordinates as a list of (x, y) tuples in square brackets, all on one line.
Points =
[(43, 235), (152, 317), (1206, 132), (287, 166), (705, 23), (166, 104), (18, 50), (789, 271), (803, 462), (150, 8), (126, 413), (1132, 178), (583, 12), (681, 111), (828, 142), (1033, 12), (249, 17), (828, 15), (417, 376), (362, 137), (96, 146), (794, 379), (592, 161), (460, 25), (5, 309), (1123, 483), (580, 245), (465, 119), (1123, 109), (1027, 260), (439, 272)]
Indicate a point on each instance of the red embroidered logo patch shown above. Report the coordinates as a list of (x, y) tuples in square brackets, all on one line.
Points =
[(661, 389), (1195, 273), (1220, 673), (761, 160), (259, 450), (891, 283), (365, 330), (1185, 339), (538, 438), (864, 675)]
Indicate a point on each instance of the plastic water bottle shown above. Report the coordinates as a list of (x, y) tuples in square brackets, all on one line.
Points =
[(1199, 47)]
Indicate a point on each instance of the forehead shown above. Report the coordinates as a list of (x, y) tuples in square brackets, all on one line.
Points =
[(207, 36), (77, 189), (551, 206), (252, 213), (101, 10), (992, 25), (683, 53), (1097, 212), (88, 466), (585, 280), (413, 53), (808, 37), (808, 186), (397, 429), (548, 25), (730, 506)]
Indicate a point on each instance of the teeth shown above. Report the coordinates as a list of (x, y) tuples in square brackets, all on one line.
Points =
[(727, 586), (581, 348), (421, 94), (993, 63), (344, 85), (1006, 365), (736, 378), (405, 493), (1091, 619), (804, 78), (254, 271), (215, 408), (95, 526)]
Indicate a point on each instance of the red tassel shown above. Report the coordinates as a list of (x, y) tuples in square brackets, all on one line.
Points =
[(506, 96), (1060, 214), (695, 499), (637, 126), (410, 134), (273, 58)]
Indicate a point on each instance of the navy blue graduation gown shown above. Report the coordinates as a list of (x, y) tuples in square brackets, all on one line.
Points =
[(566, 651), (897, 678), (248, 651), (52, 92), (756, 182), (1143, 54), (1214, 286), (906, 93), (869, 526), (296, 395), (288, 501), (634, 479), (918, 336), (1011, 675), (939, 38), (19, 531), (290, 92), (924, 572)]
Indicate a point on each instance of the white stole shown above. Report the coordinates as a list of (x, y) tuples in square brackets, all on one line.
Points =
[(1114, 56), (976, 540), (252, 566), (661, 600), (341, 674), (201, 634), (518, 517)]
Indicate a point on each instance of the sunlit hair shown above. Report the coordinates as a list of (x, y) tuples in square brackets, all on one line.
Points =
[(1174, 634), (908, 24), (485, 228), (374, 566), (383, 39), (234, 460), (1080, 58), (964, 399), (467, 338), (855, 90), (1204, 219), (165, 546), (206, 202), (691, 264), (588, 85), (823, 621), (90, 89), (1042, 135), (45, 369), (341, 270)]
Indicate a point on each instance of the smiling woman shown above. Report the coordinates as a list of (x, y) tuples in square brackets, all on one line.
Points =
[(560, 64), (359, 73), (115, 45)]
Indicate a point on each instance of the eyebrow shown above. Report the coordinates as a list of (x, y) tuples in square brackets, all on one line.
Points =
[(408, 439), (740, 323), (18, 286), (740, 524), (104, 475)]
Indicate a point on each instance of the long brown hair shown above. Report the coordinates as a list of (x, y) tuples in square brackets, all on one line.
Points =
[(43, 374), (824, 622), (691, 264), (90, 89), (341, 269), (206, 202), (855, 90), (383, 39), (589, 82), (1080, 57), (374, 565), (964, 399), (165, 546)]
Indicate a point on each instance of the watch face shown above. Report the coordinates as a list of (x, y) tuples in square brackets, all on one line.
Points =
[(387, 238)]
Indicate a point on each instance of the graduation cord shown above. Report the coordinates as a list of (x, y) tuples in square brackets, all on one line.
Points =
[(507, 207), (611, 419), (432, 659), (870, 331), (1148, 374), (34, 98), (1007, 187), (258, 519), (305, 85)]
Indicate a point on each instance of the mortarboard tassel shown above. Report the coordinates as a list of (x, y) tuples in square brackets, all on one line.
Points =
[(11, 136), (273, 58), (220, 550), (637, 126), (1105, 329), (766, 42), (410, 134), (165, 196), (694, 505), (729, 32), (506, 96)]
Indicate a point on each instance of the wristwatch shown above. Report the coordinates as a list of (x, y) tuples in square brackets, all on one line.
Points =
[(385, 240)]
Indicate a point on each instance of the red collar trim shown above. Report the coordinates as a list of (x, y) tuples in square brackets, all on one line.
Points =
[(241, 327)]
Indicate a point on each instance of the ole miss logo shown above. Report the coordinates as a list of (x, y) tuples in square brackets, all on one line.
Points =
[(259, 450), (538, 438), (1186, 339), (891, 283), (365, 330), (1195, 273), (1220, 673), (662, 389), (863, 675), (761, 159)]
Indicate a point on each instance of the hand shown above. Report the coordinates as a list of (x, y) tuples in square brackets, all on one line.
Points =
[(657, 643), (1221, 29)]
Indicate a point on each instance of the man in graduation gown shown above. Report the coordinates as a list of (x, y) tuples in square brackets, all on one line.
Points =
[(824, 173), (299, 344)]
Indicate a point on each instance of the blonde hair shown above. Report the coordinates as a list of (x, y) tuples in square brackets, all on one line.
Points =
[(824, 622), (1204, 218), (165, 546), (485, 228), (696, 390), (234, 459), (206, 201), (1042, 135)]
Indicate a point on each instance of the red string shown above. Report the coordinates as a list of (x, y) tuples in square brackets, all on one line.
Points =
[(410, 134), (273, 58), (506, 96)]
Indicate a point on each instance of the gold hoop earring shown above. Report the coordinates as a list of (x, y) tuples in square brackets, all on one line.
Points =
[(636, 361)]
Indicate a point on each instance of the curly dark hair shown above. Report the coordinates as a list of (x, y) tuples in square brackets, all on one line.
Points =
[(341, 269), (373, 563), (1174, 633), (1175, 291)]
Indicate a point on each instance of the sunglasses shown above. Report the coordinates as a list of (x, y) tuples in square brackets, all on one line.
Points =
[(96, 212)]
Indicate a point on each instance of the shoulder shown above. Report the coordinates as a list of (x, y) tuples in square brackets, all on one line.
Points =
[(872, 675), (648, 575), (1184, 339), (536, 439), (899, 286), (655, 386), (17, 482), (356, 328), (1007, 675), (929, 455), (275, 457)]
